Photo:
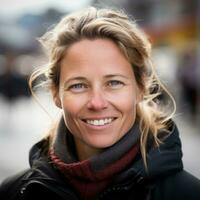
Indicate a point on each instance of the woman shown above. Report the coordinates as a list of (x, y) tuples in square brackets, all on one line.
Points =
[(114, 139)]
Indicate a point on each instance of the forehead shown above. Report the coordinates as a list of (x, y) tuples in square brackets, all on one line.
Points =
[(99, 56), (103, 42), (94, 47)]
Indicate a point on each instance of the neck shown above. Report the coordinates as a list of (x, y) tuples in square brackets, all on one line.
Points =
[(84, 151)]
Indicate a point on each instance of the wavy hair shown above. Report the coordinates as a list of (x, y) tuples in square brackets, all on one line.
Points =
[(117, 26)]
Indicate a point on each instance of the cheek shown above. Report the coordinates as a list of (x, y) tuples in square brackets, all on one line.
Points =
[(71, 108), (72, 105), (125, 101)]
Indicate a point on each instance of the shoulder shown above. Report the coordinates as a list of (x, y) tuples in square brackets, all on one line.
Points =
[(185, 182), (11, 186), (181, 185)]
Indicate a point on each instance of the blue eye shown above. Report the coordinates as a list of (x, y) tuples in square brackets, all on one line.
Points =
[(115, 84), (78, 87)]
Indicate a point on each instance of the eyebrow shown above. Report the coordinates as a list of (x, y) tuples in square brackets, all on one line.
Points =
[(114, 75), (81, 78)]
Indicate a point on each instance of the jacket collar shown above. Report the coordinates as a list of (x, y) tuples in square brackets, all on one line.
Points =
[(161, 161)]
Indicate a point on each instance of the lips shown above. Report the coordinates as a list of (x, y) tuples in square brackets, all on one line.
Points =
[(99, 122)]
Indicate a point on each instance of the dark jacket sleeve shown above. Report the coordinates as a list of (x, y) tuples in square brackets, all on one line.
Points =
[(10, 187), (189, 185), (182, 186)]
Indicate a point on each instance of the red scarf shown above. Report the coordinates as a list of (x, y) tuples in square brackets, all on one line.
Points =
[(92, 176)]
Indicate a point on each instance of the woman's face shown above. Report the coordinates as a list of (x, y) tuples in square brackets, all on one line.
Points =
[(97, 93)]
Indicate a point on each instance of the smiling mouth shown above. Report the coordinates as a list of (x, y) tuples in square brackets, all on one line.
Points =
[(99, 122)]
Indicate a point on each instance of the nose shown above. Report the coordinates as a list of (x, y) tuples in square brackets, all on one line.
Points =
[(97, 101)]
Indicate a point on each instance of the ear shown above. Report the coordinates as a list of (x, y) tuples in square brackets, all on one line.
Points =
[(139, 95), (57, 102), (56, 99)]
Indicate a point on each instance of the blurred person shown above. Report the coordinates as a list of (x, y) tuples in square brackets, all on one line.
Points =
[(12, 84), (114, 139), (188, 75)]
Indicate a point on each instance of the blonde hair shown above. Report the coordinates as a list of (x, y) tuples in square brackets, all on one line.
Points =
[(93, 23)]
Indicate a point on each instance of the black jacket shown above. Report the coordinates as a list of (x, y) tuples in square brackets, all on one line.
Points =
[(164, 180)]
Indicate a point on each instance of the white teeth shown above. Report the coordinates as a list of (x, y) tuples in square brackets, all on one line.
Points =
[(109, 120), (100, 122), (96, 122)]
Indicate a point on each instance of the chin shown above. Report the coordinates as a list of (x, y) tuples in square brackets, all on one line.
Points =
[(102, 144)]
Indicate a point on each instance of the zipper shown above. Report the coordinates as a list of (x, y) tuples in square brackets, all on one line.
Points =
[(138, 179), (113, 189), (57, 190)]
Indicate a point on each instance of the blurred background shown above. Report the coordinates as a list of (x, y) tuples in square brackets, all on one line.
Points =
[(173, 27)]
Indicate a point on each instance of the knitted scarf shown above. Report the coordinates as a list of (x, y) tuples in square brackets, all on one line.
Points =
[(90, 177)]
